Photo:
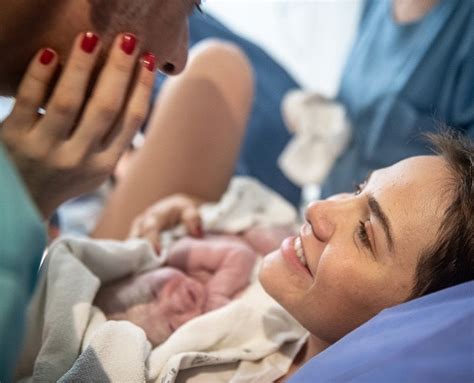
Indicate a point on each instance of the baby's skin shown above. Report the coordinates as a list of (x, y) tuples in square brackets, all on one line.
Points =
[(200, 275)]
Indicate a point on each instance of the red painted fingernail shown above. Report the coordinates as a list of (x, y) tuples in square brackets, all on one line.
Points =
[(47, 56), (89, 42), (129, 43), (149, 61)]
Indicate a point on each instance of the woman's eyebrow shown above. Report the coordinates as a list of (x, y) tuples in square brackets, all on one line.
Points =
[(377, 211)]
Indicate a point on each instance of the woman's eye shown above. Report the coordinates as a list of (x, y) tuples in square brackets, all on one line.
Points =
[(363, 236), (358, 189)]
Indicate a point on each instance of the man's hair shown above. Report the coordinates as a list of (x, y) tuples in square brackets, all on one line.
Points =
[(450, 261)]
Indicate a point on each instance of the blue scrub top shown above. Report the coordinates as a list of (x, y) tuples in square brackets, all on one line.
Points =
[(401, 80), (22, 242)]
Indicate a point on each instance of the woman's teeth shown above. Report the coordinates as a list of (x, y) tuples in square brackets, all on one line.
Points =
[(299, 251)]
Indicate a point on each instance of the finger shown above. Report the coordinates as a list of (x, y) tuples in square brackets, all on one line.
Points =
[(137, 108), (137, 231), (33, 90), (104, 108), (154, 238), (68, 97), (192, 220), (136, 228), (162, 220), (148, 230)]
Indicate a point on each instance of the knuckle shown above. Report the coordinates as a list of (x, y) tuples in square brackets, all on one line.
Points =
[(69, 163), (79, 65), (136, 117), (26, 101), (107, 110), (123, 68), (105, 165), (64, 107), (146, 81), (74, 158)]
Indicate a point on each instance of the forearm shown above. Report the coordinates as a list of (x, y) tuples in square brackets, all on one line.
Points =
[(233, 274)]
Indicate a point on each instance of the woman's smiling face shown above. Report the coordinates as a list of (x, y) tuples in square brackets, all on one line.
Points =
[(361, 249)]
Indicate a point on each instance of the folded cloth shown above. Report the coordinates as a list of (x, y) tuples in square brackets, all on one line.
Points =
[(253, 339), (69, 339), (63, 324), (247, 203), (321, 132)]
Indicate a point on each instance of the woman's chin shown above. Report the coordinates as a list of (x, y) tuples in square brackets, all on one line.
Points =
[(268, 273)]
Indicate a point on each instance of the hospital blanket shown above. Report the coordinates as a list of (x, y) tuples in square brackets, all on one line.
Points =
[(68, 339)]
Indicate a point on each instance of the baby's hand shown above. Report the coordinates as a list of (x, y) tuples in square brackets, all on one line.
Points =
[(75, 145), (223, 263), (166, 214)]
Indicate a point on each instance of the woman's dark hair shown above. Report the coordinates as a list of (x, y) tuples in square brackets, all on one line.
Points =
[(450, 261)]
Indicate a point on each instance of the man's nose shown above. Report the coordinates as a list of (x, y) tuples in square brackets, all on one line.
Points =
[(177, 62)]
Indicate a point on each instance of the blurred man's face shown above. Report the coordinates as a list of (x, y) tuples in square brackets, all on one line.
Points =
[(161, 26), (27, 26)]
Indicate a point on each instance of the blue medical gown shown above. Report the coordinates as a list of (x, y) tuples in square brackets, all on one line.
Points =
[(22, 241), (401, 81)]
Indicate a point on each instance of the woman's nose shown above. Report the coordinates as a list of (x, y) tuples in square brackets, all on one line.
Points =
[(324, 217)]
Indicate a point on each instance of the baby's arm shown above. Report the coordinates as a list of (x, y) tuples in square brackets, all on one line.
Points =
[(223, 263)]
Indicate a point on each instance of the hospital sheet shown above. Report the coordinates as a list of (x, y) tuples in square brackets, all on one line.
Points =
[(69, 339)]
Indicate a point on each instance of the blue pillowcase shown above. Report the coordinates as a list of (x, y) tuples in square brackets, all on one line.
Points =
[(430, 339)]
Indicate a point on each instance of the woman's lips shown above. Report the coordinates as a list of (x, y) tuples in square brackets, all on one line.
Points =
[(289, 254)]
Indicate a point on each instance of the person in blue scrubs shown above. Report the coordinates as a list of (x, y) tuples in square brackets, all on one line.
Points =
[(404, 75), (74, 145), (411, 67)]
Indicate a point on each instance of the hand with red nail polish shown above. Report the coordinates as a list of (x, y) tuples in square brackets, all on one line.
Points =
[(166, 214), (74, 146)]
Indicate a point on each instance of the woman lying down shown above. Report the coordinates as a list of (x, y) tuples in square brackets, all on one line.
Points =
[(404, 233)]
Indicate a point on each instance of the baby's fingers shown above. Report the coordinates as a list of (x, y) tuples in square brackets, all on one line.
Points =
[(33, 90), (192, 220), (148, 226)]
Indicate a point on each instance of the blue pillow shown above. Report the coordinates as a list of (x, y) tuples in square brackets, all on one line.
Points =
[(430, 339)]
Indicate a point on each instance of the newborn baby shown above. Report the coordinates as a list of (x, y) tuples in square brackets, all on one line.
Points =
[(200, 275)]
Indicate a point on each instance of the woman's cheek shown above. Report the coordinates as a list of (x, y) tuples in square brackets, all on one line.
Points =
[(338, 275)]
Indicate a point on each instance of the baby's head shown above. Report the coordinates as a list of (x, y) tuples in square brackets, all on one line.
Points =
[(159, 301)]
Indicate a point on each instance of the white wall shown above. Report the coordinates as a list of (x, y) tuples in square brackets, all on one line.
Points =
[(310, 38)]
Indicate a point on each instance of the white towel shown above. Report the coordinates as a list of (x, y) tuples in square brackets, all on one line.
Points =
[(62, 323), (68, 339), (321, 133)]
